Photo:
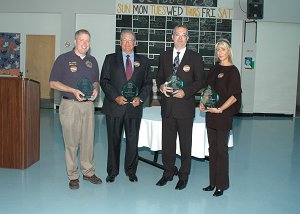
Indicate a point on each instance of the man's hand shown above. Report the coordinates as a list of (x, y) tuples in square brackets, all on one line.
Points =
[(164, 89), (136, 101), (179, 93), (121, 100), (94, 95), (78, 94)]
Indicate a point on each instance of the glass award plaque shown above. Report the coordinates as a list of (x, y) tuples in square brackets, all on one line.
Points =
[(86, 87), (209, 97), (174, 82), (130, 90)]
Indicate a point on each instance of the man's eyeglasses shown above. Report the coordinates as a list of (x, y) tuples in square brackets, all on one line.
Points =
[(178, 35), (127, 40)]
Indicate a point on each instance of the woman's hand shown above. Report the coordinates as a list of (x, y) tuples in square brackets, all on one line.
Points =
[(214, 110), (202, 107)]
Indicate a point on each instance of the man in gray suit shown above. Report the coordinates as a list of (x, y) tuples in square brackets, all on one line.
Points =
[(118, 69), (178, 106)]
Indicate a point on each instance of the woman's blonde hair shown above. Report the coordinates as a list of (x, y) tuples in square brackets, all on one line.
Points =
[(224, 43)]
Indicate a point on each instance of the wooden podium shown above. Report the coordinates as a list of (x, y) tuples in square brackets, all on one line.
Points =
[(19, 122)]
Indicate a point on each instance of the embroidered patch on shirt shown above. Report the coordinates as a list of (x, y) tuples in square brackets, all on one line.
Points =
[(89, 64), (73, 66)]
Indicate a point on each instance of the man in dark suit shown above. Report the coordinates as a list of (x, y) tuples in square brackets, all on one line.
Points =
[(120, 109), (178, 106)]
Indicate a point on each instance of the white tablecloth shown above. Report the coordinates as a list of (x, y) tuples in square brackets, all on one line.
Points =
[(151, 133)]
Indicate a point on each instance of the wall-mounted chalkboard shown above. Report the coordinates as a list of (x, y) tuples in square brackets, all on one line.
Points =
[(203, 33), (169, 45), (224, 25), (158, 22), (169, 35), (140, 21), (191, 23), (207, 24), (117, 47), (206, 49), (193, 46), (156, 47), (141, 34), (142, 47), (173, 22), (124, 21), (157, 35), (225, 35), (193, 36), (154, 59), (207, 37)]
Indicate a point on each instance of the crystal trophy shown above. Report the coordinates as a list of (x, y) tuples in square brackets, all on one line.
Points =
[(209, 97), (174, 82), (130, 90), (86, 87)]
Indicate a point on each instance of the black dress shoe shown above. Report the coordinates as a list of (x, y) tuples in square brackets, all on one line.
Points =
[(133, 178), (163, 181), (218, 192), (181, 184), (110, 178), (209, 188)]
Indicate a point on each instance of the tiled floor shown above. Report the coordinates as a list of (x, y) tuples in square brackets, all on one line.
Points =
[(264, 176)]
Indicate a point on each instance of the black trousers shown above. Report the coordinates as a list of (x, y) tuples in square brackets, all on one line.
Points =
[(115, 127), (218, 158), (170, 128)]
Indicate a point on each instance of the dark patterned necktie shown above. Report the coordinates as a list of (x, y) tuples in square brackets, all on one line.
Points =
[(128, 68), (176, 63)]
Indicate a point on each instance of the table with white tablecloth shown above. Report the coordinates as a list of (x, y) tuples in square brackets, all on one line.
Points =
[(151, 133)]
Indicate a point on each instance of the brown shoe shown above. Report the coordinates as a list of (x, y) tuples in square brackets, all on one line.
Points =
[(74, 184), (93, 179)]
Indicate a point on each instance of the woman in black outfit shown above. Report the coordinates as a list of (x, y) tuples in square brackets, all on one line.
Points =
[(224, 78)]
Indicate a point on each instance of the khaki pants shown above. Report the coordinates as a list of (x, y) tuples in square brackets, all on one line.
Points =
[(78, 124)]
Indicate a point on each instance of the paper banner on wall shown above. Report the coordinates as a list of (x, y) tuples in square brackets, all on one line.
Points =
[(10, 53), (249, 63)]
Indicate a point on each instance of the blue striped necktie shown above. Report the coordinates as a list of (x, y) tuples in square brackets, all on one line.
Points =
[(176, 63)]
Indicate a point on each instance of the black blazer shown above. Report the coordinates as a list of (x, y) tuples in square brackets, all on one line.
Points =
[(191, 71), (112, 79)]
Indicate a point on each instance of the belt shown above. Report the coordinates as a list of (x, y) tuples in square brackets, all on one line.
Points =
[(67, 98)]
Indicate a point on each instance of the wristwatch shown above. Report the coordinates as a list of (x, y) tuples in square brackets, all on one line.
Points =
[(220, 110)]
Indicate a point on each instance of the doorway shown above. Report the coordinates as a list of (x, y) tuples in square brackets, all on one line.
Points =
[(40, 55)]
